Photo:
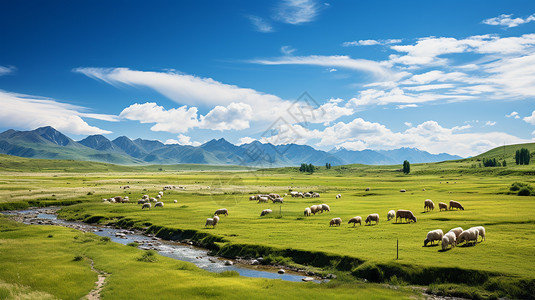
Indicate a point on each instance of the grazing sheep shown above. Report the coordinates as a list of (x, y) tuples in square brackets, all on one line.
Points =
[(294, 193), (391, 214), (160, 193), (307, 195), (338, 196), (253, 197), (265, 212), (367, 189), (158, 196), (442, 205), (145, 197), (315, 195), (141, 201), (455, 204), (325, 207), (175, 201), (449, 239), (403, 190), (355, 220), (372, 217), (307, 212), (146, 205), (457, 231), (481, 231), (429, 205), (278, 200), (315, 208), (263, 199), (335, 222), (158, 204), (118, 199), (153, 199), (274, 196), (469, 235), (433, 235), (125, 200), (221, 211), (405, 214), (212, 221)]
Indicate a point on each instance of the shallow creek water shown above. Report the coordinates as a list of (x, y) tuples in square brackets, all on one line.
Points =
[(175, 250)]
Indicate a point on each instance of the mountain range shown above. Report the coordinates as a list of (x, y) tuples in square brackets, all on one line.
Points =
[(47, 142)]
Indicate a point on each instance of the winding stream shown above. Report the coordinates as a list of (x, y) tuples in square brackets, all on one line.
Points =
[(179, 251)]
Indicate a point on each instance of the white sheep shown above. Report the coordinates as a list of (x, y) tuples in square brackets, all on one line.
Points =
[(160, 193), (335, 222), (212, 221), (253, 197), (158, 204), (433, 235), (481, 231), (338, 196), (175, 201), (158, 196), (391, 214), (221, 211), (263, 199), (355, 220), (265, 212), (469, 235), (442, 205), (307, 212), (278, 200), (314, 209), (429, 205), (372, 217), (145, 197), (325, 207), (141, 201), (457, 231), (449, 239), (146, 205)]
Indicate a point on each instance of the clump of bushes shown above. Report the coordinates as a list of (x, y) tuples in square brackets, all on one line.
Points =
[(105, 239), (148, 256), (133, 244), (78, 258), (522, 189)]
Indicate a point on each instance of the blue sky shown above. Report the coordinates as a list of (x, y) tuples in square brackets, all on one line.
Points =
[(449, 76)]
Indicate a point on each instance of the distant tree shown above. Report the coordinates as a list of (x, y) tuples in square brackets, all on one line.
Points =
[(504, 163), (311, 168), (327, 166), (406, 167), (522, 156)]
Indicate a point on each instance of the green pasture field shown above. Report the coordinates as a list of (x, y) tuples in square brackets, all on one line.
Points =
[(507, 253), (50, 262)]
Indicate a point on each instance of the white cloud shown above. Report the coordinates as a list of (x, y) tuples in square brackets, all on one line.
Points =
[(332, 70), (235, 116), (175, 120), (408, 124), (506, 20), (297, 11), (371, 42), (530, 119), (245, 140), (30, 112), (182, 140), (260, 24), (490, 123), (339, 61), (287, 50), (6, 70), (406, 106), (514, 114)]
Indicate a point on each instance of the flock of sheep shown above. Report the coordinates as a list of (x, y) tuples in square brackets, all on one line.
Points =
[(451, 239), (455, 236)]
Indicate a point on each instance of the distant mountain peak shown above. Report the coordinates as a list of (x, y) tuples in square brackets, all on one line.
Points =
[(51, 134)]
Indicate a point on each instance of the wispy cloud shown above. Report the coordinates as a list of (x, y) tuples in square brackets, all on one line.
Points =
[(340, 61), (508, 21), (371, 42), (297, 11), (287, 50), (6, 70), (260, 24), (30, 112)]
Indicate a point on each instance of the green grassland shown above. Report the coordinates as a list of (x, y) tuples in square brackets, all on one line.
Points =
[(501, 265), (49, 262)]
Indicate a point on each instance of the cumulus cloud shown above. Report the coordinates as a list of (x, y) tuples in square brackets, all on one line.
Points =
[(514, 114), (530, 119), (182, 140), (30, 112), (507, 20), (235, 116), (297, 11), (175, 120), (260, 24)]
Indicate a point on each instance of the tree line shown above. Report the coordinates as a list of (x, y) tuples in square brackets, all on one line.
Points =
[(522, 156)]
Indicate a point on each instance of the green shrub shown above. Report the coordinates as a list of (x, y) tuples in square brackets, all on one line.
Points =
[(78, 258), (524, 192), (523, 189), (229, 274), (133, 244), (105, 239), (148, 256)]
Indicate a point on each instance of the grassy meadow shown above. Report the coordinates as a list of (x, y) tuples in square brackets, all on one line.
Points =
[(501, 265)]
